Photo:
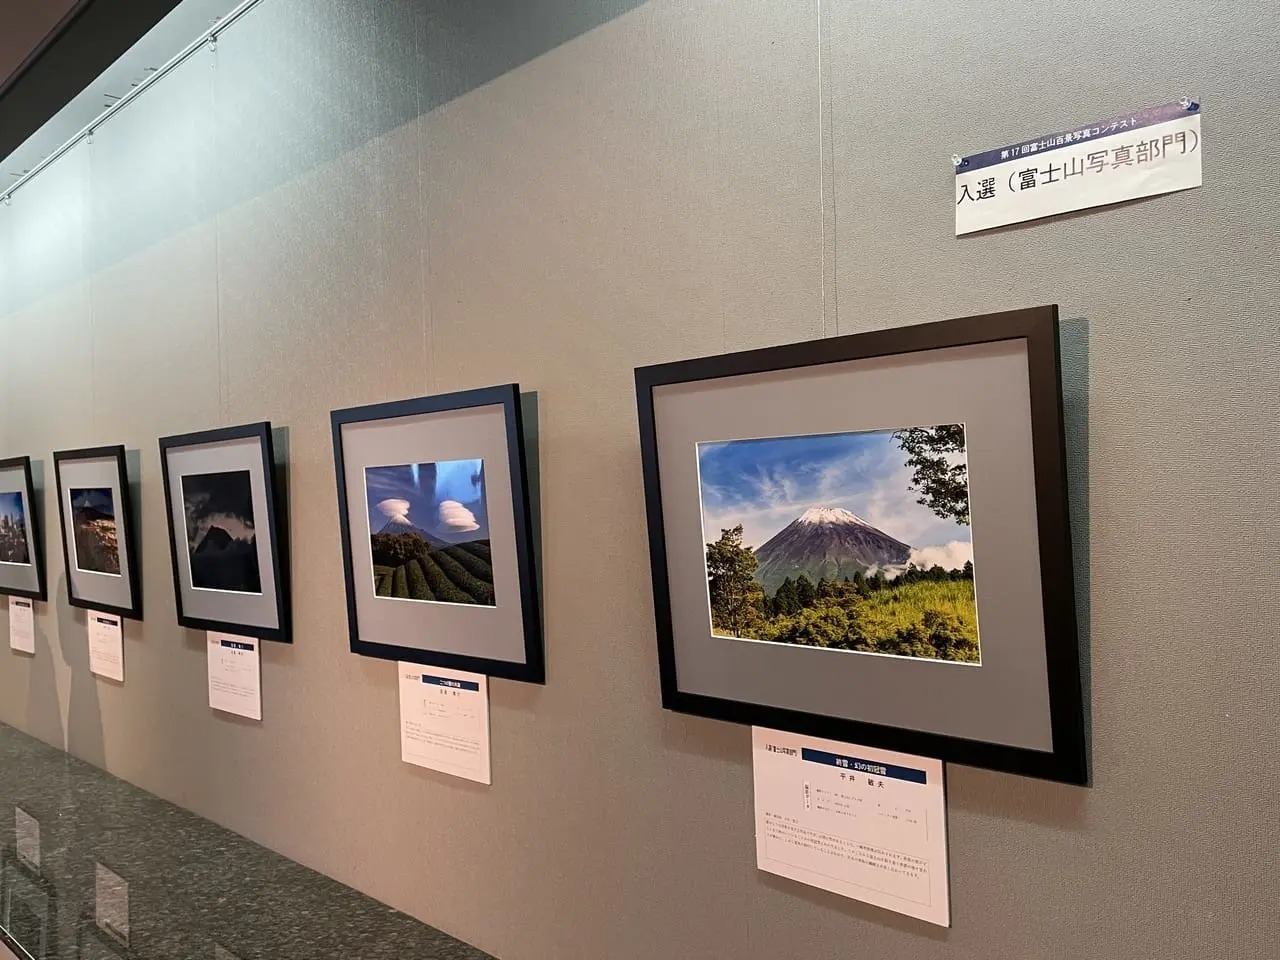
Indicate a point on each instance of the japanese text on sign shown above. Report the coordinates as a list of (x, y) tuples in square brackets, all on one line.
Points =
[(1153, 151), (860, 821)]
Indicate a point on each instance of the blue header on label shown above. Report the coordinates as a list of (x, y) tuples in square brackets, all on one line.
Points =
[(858, 765), (449, 682), (1083, 133), (236, 644)]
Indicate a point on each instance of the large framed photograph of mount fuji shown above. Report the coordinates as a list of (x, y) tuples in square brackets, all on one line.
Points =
[(228, 531), (437, 533), (866, 538)]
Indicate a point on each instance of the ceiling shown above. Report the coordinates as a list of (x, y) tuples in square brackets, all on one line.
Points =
[(26, 26), (64, 60)]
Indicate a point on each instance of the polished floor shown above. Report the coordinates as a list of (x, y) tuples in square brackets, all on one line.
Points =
[(92, 868)]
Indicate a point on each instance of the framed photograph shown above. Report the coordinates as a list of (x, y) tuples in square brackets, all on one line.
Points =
[(227, 536), (437, 541), (866, 538), (22, 572), (99, 541)]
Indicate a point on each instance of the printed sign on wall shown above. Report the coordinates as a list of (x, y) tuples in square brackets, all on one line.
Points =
[(1142, 154)]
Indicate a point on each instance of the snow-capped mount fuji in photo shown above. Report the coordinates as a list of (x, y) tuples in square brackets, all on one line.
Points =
[(827, 543)]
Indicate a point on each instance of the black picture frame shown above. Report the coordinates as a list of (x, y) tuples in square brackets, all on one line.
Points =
[(126, 530), (276, 531), (1038, 327), (34, 522), (533, 667)]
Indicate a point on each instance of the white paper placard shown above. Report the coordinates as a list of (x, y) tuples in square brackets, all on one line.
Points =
[(106, 646), (444, 721), (111, 902), (865, 823), (1148, 152), (26, 829), (22, 625), (235, 675)]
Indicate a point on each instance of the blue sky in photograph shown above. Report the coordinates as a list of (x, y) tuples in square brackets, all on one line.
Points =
[(765, 484), (11, 507), (93, 498), (445, 499)]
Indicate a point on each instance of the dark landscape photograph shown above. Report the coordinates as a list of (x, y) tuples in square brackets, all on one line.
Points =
[(221, 540), (850, 541), (93, 521), (13, 529), (429, 532)]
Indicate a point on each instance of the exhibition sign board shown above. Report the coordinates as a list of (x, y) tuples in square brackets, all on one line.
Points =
[(865, 823), (444, 721), (1142, 154), (22, 625), (235, 675), (106, 645)]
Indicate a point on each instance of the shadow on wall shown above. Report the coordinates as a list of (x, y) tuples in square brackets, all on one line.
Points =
[(299, 83), (44, 709), (84, 711), (1074, 347)]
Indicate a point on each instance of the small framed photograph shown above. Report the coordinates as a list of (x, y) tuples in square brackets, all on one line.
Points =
[(22, 571), (866, 538), (227, 531), (437, 541), (99, 541)]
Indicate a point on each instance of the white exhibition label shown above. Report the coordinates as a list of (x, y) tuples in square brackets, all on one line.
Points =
[(111, 902), (26, 829), (106, 646), (1151, 151), (22, 625), (865, 823), (444, 721), (235, 675)]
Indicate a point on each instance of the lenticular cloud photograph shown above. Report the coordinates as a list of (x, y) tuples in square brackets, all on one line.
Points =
[(429, 532), (844, 541)]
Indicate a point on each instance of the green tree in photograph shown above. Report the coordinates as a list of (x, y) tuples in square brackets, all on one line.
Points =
[(393, 550), (806, 593), (826, 625), (942, 485), (785, 601), (734, 595), (947, 636)]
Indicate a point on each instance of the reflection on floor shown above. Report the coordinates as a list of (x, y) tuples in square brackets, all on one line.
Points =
[(92, 868)]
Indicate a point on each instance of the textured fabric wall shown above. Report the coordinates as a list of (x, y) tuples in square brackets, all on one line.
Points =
[(351, 202)]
